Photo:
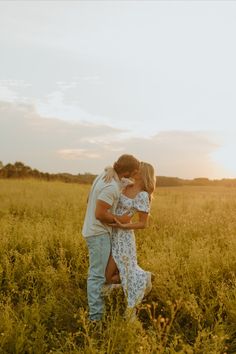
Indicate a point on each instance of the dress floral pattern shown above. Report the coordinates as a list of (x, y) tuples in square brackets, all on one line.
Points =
[(133, 277)]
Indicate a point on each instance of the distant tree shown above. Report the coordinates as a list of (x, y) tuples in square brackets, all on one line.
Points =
[(35, 173), (162, 181), (19, 165), (202, 181), (20, 170), (9, 170), (47, 176)]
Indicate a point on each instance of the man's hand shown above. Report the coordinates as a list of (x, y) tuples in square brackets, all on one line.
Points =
[(110, 174), (103, 214), (118, 224), (124, 219)]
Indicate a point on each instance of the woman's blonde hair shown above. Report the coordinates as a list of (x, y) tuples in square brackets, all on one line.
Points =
[(147, 173)]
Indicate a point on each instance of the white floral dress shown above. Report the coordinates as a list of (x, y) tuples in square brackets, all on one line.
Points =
[(133, 278)]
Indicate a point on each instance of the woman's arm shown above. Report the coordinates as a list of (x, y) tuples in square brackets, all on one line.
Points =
[(142, 222), (109, 174)]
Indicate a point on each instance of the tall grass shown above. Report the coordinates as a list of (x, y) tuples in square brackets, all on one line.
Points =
[(190, 246)]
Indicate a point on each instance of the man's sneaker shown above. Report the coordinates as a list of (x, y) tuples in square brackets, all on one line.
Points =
[(149, 283)]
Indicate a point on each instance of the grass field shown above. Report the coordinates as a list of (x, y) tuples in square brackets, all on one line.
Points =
[(190, 245)]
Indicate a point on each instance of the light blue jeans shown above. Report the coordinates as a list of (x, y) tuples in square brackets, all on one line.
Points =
[(99, 250)]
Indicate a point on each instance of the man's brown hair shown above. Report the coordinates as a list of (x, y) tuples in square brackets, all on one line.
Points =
[(126, 163)]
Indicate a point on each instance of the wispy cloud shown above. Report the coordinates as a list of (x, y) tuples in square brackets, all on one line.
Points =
[(14, 91), (49, 144), (75, 154), (55, 145)]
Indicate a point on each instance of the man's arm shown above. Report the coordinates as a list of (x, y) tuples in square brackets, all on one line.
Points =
[(103, 214)]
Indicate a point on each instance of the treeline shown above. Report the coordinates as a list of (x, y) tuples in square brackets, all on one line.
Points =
[(20, 170), (163, 181)]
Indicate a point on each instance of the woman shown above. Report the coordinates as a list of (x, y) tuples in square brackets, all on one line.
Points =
[(122, 265)]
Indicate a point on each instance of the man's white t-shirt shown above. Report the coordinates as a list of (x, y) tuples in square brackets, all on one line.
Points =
[(107, 192)]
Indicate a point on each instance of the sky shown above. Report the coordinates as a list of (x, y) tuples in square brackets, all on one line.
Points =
[(83, 82)]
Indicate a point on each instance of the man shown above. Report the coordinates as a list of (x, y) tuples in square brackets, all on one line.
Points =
[(102, 202)]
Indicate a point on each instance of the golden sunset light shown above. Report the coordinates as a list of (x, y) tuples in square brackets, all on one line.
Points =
[(86, 81)]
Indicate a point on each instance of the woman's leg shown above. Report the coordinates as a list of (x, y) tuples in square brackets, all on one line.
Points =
[(112, 272)]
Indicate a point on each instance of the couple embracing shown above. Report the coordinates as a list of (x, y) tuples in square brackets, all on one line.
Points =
[(108, 230)]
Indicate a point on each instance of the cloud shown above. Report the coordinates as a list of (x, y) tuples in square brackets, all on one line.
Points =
[(54, 145), (49, 144), (183, 154), (75, 154), (13, 90)]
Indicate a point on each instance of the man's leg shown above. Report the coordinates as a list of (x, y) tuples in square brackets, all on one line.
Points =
[(99, 250)]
